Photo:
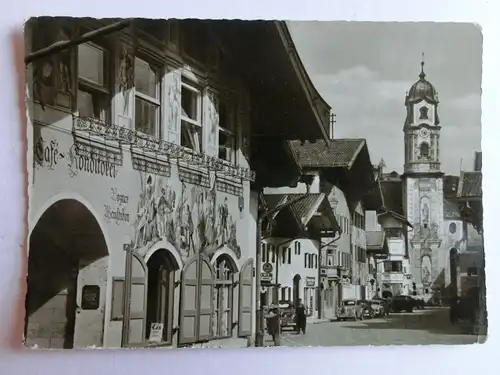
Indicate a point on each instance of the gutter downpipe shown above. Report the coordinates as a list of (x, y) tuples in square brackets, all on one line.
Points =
[(259, 321)]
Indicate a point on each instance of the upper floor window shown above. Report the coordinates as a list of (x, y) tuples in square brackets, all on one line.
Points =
[(424, 150), (227, 131), (94, 96), (191, 125), (147, 98), (424, 113)]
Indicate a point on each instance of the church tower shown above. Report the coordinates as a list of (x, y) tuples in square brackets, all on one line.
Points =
[(423, 185)]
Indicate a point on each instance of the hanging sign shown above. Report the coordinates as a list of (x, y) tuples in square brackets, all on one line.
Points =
[(156, 333)]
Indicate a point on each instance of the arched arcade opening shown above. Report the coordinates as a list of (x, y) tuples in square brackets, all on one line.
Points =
[(66, 291)]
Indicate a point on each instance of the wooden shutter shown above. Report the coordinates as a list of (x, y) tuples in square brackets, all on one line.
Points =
[(211, 123), (172, 109), (245, 299), (196, 304), (189, 291), (135, 299)]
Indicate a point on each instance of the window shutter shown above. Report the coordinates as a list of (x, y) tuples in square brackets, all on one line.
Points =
[(136, 299), (210, 123), (206, 299), (189, 291), (172, 108), (245, 300)]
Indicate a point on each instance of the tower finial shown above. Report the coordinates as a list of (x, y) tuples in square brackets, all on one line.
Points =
[(422, 63)]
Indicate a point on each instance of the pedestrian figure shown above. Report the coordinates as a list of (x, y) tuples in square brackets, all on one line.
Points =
[(300, 317), (273, 324), (387, 307)]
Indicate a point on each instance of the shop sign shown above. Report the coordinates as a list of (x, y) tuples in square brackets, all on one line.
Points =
[(47, 154), (156, 333), (90, 297), (89, 164), (310, 281), (266, 277), (267, 267), (117, 210)]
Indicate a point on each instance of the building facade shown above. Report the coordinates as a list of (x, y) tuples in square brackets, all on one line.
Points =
[(142, 201)]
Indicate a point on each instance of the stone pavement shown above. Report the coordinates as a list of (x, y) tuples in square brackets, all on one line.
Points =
[(430, 326)]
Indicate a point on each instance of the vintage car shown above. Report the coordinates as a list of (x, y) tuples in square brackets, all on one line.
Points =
[(376, 307), (403, 303), (351, 309), (287, 311)]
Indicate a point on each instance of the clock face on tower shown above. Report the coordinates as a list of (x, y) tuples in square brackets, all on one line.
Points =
[(424, 133)]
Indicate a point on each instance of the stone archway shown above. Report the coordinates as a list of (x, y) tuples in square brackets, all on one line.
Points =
[(67, 267)]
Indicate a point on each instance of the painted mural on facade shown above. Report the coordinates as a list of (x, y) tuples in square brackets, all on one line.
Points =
[(192, 218)]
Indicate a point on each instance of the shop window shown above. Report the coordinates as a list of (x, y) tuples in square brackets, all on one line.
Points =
[(147, 97), (94, 98), (227, 131), (191, 125), (223, 298)]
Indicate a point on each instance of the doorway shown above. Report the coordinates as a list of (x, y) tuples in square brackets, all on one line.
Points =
[(296, 289), (66, 279), (160, 299)]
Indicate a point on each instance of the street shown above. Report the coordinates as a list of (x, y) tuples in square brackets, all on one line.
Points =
[(424, 327)]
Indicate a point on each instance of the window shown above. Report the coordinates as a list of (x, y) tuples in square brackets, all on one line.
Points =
[(424, 150), (283, 253), (424, 111), (273, 249), (94, 97), (316, 261), (472, 271), (223, 298), (191, 126), (147, 98), (227, 132), (306, 260), (393, 266), (453, 228), (297, 248), (289, 251)]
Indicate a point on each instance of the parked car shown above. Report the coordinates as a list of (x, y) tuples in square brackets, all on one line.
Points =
[(402, 303), (351, 309), (377, 307), (418, 303), (287, 311), (367, 309)]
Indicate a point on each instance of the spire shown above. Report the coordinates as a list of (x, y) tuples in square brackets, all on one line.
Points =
[(422, 63)]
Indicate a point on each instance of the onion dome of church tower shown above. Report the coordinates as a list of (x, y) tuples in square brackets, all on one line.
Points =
[(422, 90)]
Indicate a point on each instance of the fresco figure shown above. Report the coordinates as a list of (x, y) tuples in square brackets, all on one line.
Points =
[(162, 214), (425, 213), (223, 216)]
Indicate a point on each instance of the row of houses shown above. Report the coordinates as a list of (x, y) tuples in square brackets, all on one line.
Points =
[(181, 180)]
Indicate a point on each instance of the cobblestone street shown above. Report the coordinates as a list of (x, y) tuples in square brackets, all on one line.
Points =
[(430, 326)]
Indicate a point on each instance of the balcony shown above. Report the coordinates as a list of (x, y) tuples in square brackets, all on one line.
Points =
[(392, 277)]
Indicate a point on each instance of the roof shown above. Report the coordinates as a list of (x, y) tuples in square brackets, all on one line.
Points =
[(338, 153), (392, 194), (375, 240), (470, 185), (422, 90), (303, 210)]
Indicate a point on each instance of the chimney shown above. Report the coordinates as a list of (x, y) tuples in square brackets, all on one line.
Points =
[(478, 161)]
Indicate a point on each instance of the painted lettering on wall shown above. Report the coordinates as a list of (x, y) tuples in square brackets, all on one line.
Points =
[(47, 154), (117, 210), (89, 164)]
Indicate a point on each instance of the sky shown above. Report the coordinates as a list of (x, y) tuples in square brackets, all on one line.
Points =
[(364, 69)]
